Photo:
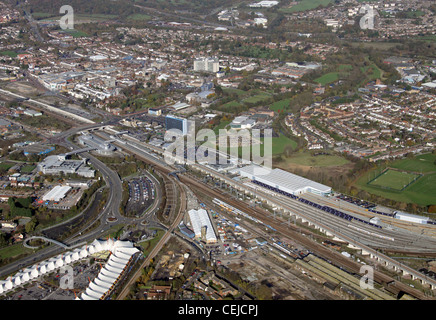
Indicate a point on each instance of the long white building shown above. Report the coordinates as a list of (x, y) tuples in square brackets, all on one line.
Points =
[(57, 193), (121, 254), (202, 225), (282, 180)]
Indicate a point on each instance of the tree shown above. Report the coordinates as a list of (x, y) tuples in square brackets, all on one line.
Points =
[(30, 226)]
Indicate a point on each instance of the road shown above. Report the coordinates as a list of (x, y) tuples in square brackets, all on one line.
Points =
[(161, 242), (329, 222)]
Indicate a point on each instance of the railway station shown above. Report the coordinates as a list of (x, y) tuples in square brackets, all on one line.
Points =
[(282, 180)]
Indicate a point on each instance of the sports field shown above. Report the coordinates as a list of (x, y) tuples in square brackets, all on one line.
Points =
[(394, 180), (389, 186), (304, 5)]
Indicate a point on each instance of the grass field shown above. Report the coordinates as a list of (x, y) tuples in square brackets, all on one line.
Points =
[(306, 5), (422, 163), (395, 180), (222, 125), (328, 78), (421, 192), (139, 17), (27, 168), (373, 72), (9, 53), (77, 33), (6, 165), (280, 105), (257, 98), (324, 160), (280, 143)]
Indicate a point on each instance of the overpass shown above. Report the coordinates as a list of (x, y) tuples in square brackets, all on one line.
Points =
[(64, 246), (80, 151), (50, 108)]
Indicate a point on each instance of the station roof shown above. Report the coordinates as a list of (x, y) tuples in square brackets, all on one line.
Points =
[(281, 179)]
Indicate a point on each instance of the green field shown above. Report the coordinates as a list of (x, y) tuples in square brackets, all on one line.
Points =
[(328, 78), (257, 98), (421, 192), (373, 72), (9, 53), (395, 180), (6, 165), (322, 160), (306, 5), (422, 163), (27, 168), (280, 105), (279, 144), (139, 17), (77, 33), (222, 125)]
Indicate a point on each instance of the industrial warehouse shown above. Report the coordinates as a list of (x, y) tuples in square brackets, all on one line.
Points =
[(282, 180), (93, 142), (59, 163), (57, 193), (202, 225)]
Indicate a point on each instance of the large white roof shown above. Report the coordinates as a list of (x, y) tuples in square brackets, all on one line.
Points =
[(57, 193), (281, 179), (122, 251), (200, 218)]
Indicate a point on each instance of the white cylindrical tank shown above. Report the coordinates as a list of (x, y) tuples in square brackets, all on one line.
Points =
[(91, 249), (83, 253), (98, 246), (25, 277)]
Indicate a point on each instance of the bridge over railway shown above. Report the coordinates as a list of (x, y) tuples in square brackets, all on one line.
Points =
[(58, 243)]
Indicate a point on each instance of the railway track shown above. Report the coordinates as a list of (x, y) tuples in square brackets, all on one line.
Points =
[(159, 245), (335, 258)]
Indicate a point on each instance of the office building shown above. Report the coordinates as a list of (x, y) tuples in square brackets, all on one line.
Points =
[(175, 123), (206, 65)]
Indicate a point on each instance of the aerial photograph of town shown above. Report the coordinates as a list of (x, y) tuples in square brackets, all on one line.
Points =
[(216, 154)]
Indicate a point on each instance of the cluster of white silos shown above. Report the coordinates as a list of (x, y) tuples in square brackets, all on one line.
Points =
[(61, 260)]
